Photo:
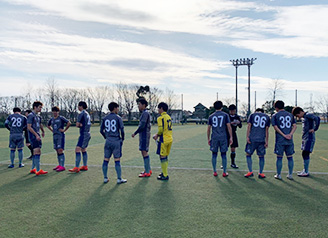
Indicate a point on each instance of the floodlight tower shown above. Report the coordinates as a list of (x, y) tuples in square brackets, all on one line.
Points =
[(249, 62)]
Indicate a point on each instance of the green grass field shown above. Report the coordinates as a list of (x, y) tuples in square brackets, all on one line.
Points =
[(192, 203)]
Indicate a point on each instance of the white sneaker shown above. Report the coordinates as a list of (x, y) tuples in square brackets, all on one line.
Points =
[(290, 176), (106, 180), (277, 176), (119, 181), (303, 174)]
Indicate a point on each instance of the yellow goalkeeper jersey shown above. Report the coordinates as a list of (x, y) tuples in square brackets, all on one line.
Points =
[(164, 123)]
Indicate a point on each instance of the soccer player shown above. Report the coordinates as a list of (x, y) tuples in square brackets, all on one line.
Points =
[(235, 122), (144, 136), (257, 139), (84, 123), (284, 124), (164, 134), (310, 124), (27, 140), (34, 126), (16, 124), (112, 129), (219, 123), (56, 126)]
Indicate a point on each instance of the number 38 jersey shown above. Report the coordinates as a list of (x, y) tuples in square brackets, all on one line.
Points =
[(112, 127), (259, 122), (284, 121), (218, 120)]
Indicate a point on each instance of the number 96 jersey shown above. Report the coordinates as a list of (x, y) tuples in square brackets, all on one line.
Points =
[(284, 121), (259, 121)]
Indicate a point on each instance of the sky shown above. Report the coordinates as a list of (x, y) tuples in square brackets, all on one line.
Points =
[(184, 45)]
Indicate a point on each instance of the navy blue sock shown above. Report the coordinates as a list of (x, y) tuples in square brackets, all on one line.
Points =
[(214, 159), (290, 165), (20, 156), (61, 159), (105, 168), (279, 164), (147, 164), (261, 164), (33, 162), (224, 161), (249, 163), (58, 158), (37, 162), (85, 158), (233, 156), (118, 169), (12, 156), (77, 159)]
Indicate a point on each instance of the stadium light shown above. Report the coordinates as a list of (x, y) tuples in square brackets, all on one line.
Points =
[(249, 62)]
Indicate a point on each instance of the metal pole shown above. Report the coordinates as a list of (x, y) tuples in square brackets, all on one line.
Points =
[(217, 96), (295, 97), (255, 102), (236, 89), (249, 90)]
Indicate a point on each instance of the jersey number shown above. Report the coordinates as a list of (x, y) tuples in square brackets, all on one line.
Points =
[(285, 122), (216, 121), (110, 125), (169, 125), (259, 121), (16, 122)]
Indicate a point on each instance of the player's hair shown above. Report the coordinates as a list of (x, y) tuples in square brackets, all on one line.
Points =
[(36, 104), (232, 107), (55, 109), (164, 106), (83, 104), (16, 109), (279, 104), (218, 105), (297, 110), (259, 110), (28, 111), (143, 101), (112, 106)]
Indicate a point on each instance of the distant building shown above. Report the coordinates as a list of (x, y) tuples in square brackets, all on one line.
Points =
[(200, 111)]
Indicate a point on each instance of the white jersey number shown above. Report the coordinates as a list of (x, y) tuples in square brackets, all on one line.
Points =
[(285, 122), (110, 125), (16, 122), (259, 121), (216, 121)]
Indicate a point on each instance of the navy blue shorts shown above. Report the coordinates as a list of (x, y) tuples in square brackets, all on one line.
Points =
[(83, 141), (308, 145), (59, 142), (16, 141), (258, 146), (113, 148), (216, 144), (280, 149), (144, 142), (35, 143)]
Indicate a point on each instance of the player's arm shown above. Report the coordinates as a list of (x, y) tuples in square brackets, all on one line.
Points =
[(317, 123), (122, 129), (276, 128), (249, 126), (80, 120), (29, 127), (160, 128), (68, 124), (208, 134), (42, 130), (49, 126), (266, 137), (102, 128), (7, 124), (142, 126), (230, 133)]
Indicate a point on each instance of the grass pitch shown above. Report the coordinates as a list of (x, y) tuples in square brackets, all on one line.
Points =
[(192, 203)]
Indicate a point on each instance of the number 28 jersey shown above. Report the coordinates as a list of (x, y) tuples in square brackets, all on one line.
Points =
[(259, 122), (284, 121), (218, 120), (112, 127)]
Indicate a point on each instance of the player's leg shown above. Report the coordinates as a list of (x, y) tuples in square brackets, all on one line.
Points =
[(117, 157), (306, 163), (249, 149), (289, 150), (61, 160), (30, 147), (20, 145), (78, 150), (107, 155), (84, 147), (165, 151), (233, 151), (223, 149), (55, 142), (279, 151), (214, 147), (12, 146), (37, 158), (261, 153)]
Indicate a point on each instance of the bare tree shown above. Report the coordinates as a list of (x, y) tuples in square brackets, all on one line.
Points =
[(322, 105), (127, 97), (275, 88), (170, 98), (98, 96), (154, 97), (228, 101), (243, 109), (51, 91), (70, 98)]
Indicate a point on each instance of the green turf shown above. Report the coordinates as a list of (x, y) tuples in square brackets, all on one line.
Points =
[(191, 204)]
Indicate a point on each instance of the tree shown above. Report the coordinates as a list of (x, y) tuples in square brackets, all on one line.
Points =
[(170, 98), (98, 97), (322, 105), (51, 91), (127, 97), (154, 97), (275, 88), (268, 107)]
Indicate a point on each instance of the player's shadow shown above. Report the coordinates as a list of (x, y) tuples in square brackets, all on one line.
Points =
[(318, 179)]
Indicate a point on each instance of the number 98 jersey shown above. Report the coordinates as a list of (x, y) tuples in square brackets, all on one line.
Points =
[(284, 121), (259, 121), (111, 126)]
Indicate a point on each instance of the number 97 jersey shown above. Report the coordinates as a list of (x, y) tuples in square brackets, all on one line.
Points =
[(259, 122)]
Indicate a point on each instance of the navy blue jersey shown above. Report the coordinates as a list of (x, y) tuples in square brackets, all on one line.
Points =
[(284, 121), (57, 124), (16, 123), (112, 127), (309, 121), (84, 119), (144, 125), (218, 120), (259, 122), (233, 119), (35, 121)]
